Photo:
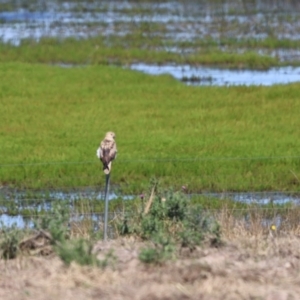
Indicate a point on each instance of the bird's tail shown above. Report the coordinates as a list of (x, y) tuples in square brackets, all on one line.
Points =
[(107, 168)]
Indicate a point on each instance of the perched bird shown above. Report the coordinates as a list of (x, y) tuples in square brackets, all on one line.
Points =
[(107, 151)]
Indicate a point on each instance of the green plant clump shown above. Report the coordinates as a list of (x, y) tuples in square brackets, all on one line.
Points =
[(167, 221), (9, 241), (56, 222), (78, 250)]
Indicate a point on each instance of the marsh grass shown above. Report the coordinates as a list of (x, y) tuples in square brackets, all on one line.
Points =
[(135, 47), (166, 224), (168, 227), (154, 40)]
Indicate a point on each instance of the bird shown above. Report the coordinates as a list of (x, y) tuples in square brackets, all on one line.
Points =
[(107, 151)]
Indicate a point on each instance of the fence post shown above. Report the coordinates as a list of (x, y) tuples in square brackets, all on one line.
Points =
[(107, 178)]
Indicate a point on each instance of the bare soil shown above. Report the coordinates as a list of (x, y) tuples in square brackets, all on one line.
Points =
[(245, 267)]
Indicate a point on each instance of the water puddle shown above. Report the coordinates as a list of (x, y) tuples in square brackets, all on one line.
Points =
[(22, 208), (261, 198), (223, 77)]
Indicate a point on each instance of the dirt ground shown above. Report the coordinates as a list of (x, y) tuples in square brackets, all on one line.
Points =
[(247, 267)]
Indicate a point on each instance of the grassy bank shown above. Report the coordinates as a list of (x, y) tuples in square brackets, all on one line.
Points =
[(208, 138), (136, 47)]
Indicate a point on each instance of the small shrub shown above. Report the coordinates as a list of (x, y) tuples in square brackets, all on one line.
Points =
[(79, 251), (176, 205), (149, 255), (199, 226), (9, 245), (190, 238), (55, 222), (163, 249), (150, 226), (170, 220), (215, 239)]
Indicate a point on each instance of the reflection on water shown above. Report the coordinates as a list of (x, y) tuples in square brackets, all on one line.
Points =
[(219, 77), (19, 221)]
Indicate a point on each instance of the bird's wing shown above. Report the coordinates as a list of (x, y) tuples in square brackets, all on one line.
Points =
[(108, 151), (99, 152), (113, 151)]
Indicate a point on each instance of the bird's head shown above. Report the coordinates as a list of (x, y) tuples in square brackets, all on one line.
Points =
[(110, 135)]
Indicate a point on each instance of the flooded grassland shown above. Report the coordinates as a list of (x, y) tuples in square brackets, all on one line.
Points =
[(231, 34), (224, 223)]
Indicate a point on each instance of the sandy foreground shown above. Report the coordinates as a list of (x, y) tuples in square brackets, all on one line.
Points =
[(248, 267)]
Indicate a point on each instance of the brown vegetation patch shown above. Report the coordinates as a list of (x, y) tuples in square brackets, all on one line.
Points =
[(40, 243), (259, 267)]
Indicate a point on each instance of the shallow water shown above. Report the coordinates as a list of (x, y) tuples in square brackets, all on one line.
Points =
[(34, 203), (221, 77), (261, 198), (183, 20), (176, 22)]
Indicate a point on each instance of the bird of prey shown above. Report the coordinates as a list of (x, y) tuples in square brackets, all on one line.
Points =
[(107, 151)]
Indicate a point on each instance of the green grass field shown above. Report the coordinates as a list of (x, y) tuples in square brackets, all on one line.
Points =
[(207, 138)]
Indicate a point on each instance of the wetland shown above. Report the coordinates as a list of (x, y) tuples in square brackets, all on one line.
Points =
[(47, 48), (205, 190)]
